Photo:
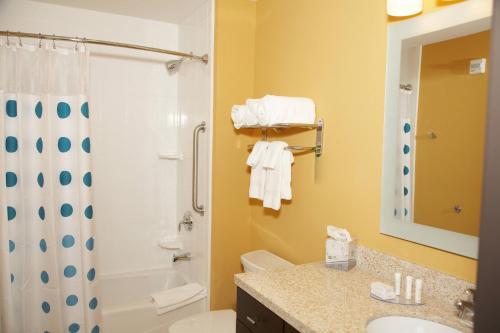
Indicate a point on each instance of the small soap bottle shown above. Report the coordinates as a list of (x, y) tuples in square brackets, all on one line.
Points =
[(418, 291), (397, 283), (409, 282)]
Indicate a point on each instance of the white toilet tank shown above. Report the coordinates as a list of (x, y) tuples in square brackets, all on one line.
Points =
[(261, 260)]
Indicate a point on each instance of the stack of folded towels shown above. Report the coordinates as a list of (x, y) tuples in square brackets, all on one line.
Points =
[(271, 173), (271, 110), (174, 298)]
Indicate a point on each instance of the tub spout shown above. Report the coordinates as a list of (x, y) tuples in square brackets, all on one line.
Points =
[(182, 257)]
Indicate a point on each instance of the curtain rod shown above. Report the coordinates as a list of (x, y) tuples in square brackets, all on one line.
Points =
[(203, 58)]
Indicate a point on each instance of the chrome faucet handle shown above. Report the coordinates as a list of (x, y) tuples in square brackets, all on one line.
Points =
[(472, 293), (187, 222), (466, 308), (463, 305), (465, 312)]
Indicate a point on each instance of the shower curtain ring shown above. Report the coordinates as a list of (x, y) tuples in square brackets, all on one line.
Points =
[(8, 40), (19, 38), (39, 40), (77, 41), (54, 42)]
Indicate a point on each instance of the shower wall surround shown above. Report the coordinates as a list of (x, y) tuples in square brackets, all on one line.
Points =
[(194, 103)]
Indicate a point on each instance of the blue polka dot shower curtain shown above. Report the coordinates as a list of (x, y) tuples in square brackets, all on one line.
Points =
[(404, 191), (47, 257)]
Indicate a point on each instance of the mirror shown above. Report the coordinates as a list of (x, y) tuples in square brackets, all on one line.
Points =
[(449, 133), (435, 113)]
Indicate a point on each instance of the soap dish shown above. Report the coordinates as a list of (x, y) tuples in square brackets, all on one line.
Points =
[(169, 244), (397, 300)]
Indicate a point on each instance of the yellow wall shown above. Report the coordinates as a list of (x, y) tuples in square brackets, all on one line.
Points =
[(333, 52), (449, 169), (234, 82)]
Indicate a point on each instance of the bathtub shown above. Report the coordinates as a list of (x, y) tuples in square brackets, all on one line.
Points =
[(127, 307)]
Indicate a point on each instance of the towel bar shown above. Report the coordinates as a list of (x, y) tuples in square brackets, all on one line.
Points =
[(292, 147), (283, 125), (319, 127)]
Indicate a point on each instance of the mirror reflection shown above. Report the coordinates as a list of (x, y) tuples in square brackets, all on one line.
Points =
[(442, 108)]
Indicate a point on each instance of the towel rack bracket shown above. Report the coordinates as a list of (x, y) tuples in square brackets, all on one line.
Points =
[(319, 137)]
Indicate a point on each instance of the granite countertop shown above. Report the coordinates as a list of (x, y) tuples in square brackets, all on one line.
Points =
[(316, 299)]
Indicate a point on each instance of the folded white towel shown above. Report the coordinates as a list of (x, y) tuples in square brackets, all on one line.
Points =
[(193, 299), (171, 297), (255, 105), (276, 161), (242, 116), (283, 109), (272, 109), (239, 115), (258, 173)]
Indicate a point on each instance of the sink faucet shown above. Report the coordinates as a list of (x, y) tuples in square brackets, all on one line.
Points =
[(466, 308), (182, 257)]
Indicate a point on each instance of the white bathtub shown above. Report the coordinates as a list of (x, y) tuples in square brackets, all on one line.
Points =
[(127, 306)]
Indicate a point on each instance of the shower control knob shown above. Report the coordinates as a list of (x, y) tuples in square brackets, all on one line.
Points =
[(457, 209), (187, 222)]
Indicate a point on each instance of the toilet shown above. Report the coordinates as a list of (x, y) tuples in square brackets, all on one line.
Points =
[(224, 321)]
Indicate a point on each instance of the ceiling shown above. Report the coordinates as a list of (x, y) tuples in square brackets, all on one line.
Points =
[(173, 11)]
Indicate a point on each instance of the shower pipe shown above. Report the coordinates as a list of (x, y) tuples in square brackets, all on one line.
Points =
[(19, 35)]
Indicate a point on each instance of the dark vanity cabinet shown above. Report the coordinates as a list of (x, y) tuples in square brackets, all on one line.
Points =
[(253, 317)]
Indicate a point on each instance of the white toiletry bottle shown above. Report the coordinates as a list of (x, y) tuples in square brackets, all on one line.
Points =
[(397, 283), (409, 282), (418, 291)]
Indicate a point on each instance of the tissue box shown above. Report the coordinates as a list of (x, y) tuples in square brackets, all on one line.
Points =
[(339, 251)]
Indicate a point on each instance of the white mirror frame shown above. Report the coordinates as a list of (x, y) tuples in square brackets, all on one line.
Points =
[(451, 22)]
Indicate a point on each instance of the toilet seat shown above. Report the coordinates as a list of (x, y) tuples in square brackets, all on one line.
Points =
[(223, 321)]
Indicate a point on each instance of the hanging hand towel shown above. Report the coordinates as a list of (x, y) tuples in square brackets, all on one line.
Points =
[(274, 166), (286, 175), (258, 173)]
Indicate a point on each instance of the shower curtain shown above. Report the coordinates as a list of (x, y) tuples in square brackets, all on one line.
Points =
[(404, 190), (47, 257)]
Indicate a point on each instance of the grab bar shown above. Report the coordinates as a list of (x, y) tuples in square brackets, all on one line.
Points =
[(196, 138)]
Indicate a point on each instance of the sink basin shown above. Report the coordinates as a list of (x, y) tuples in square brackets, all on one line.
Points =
[(398, 324)]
